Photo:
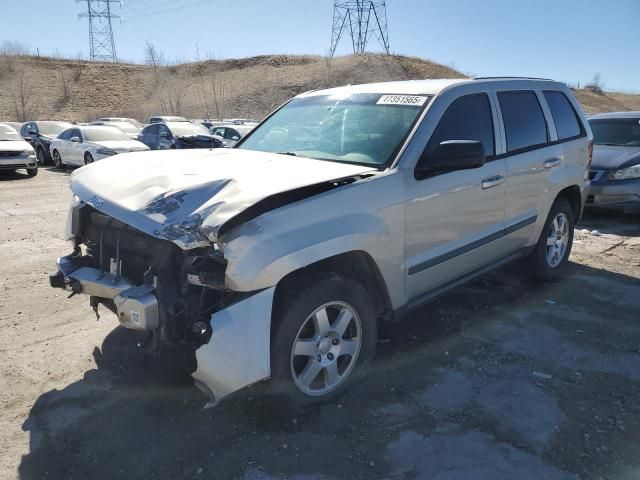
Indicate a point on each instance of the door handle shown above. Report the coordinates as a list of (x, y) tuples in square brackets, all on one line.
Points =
[(552, 162), (492, 181)]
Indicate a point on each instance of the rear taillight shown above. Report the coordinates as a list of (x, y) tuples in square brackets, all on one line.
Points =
[(590, 153)]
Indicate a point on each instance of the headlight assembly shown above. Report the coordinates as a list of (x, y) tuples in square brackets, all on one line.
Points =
[(626, 173), (106, 151)]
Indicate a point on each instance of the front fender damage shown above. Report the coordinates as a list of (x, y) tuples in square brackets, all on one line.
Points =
[(238, 352)]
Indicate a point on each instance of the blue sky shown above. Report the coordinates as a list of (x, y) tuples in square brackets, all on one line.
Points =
[(568, 40)]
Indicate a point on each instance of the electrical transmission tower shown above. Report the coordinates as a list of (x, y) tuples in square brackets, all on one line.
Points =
[(361, 18), (101, 43)]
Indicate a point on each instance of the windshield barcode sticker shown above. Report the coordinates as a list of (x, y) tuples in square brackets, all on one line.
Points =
[(409, 100)]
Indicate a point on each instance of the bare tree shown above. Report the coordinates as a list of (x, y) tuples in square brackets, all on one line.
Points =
[(20, 91), (153, 56)]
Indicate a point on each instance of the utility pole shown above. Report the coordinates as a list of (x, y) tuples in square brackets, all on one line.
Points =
[(102, 46), (361, 18)]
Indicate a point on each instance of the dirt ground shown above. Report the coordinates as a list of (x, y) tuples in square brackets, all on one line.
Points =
[(500, 379)]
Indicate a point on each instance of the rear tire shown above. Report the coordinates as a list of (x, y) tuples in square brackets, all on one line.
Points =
[(551, 253), (88, 158), (323, 340)]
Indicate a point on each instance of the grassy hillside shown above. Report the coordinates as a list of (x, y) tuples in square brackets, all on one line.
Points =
[(32, 87)]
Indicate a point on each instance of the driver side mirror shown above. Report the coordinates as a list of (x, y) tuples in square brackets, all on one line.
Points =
[(451, 155), (164, 135), (31, 131), (75, 139), (235, 138)]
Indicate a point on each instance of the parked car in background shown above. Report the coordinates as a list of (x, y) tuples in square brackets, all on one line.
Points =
[(81, 145), (161, 118), (230, 134), (15, 152), (129, 129), (206, 122), (39, 134), (242, 121), (17, 126), (168, 135), (615, 170), (345, 208), (132, 121)]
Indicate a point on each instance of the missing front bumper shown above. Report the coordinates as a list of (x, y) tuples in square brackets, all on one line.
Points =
[(136, 306)]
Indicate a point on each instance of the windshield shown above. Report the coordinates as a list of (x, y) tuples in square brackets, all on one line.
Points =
[(8, 134), (101, 134), (362, 128), (52, 128), (183, 129), (623, 132)]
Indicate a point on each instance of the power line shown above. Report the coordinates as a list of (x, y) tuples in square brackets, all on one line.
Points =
[(145, 14), (361, 18), (102, 45)]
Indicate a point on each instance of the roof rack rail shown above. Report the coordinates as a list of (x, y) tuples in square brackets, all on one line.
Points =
[(513, 77)]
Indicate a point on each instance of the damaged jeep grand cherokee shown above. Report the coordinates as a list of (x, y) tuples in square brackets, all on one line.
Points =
[(277, 259)]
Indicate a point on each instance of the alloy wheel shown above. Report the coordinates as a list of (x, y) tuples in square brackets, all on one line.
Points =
[(326, 348), (557, 240)]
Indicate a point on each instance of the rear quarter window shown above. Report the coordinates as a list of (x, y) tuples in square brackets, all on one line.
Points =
[(524, 123), (564, 116)]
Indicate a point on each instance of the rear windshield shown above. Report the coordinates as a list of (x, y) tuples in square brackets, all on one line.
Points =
[(102, 134), (8, 134), (623, 132)]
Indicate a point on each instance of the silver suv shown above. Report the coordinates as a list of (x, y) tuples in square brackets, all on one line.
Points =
[(344, 208)]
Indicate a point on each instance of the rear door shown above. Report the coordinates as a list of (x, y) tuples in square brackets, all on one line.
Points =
[(533, 160), (454, 220)]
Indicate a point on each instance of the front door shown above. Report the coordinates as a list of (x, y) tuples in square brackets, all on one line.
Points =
[(454, 220)]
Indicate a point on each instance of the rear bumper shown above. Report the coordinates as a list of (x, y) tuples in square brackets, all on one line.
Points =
[(616, 195), (136, 306)]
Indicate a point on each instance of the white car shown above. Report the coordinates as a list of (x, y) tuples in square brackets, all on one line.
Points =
[(128, 128), (15, 152), (82, 145)]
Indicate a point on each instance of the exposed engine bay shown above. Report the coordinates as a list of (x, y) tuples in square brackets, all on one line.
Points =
[(150, 284)]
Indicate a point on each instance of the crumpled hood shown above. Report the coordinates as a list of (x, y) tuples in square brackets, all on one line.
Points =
[(123, 145), (607, 157), (15, 146), (186, 195)]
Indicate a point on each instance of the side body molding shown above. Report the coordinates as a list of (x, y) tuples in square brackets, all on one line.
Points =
[(238, 353)]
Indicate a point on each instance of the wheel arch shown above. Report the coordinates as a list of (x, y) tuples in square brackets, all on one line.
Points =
[(573, 195), (356, 264)]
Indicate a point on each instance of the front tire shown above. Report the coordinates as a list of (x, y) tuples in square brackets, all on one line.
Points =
[(324, 338), (40, 156), (551, 253), (32, 172), (88, 158), (57, 160)]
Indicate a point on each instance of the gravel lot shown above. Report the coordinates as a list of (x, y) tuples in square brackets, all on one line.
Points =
[(500, 379)]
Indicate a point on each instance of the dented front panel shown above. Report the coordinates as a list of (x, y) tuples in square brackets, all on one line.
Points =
[(238, 352)]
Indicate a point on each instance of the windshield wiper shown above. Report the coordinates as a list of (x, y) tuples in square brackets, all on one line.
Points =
[(293, 154)]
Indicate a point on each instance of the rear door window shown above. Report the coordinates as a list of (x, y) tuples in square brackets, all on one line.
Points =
[(467, 118), (564, 116), (524, 123)]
